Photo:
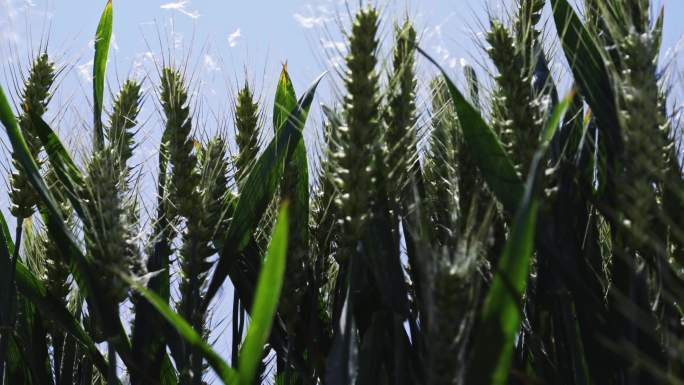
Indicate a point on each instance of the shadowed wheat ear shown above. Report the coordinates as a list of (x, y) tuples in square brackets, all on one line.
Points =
[(35, 98), (644, 126), (247, 117), (186, 201), (108, 235), (454, 286), (401, 137), (214, 183), (325, 218), (122, 121), (184, 176), (359, 138), (514, 113), (518, 111), (441, 162), (57, 268)]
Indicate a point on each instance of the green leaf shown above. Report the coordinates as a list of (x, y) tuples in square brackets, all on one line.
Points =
[(588, 67), (52, 309), (500, 317), (82, 268), (168, 372), (295, 183), (658, 27), (26, 161), (148, 339), (265, 301), (487, 151), (49, 307), (5, 276), (65, 168), (103, 37), (259, 189), (285, 99), (8, 297), (342, 362), (194, 339)]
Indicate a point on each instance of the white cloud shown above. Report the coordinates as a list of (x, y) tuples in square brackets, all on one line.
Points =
[(337, 46), (445, 57), (9, 12), (310, 21), (85, 70), (336, 61), (114, 44), (182, 7), (142, 59), (234, 37), (210, 64)]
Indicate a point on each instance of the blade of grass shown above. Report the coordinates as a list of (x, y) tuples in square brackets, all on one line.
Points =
[(227, 374), (148, 340), (265, 300), (259, 189), (103, 37), (7, 297), (588, 67), (496, 167), (52, 309), (500, 317), (82, 267), (285, 99), (68, 173)]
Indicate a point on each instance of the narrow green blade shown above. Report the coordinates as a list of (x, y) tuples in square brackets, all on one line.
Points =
[(265, 301), (259, 189), (103, 37), (285, 99), (82, 268), (487, 151), (65, 168), (588, 67), (500, 318), (52, 309), (222, 369)]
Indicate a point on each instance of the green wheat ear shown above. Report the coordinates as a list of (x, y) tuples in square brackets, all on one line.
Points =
[(455, 292), (401, 137), (109, 237), (325, 221), (515, 113), (197, 190), (57, 268), (441, 162), (122, 120), (214, 183), (35, 98), (184, 176), (360, 138), (247, 117)]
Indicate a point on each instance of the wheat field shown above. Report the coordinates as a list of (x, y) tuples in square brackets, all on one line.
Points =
[(523, 228)]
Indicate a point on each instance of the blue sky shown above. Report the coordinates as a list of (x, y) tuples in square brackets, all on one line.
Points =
[(224, 40)]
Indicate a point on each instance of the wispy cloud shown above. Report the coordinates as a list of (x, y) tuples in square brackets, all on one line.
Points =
[(9, 12), (140, 62), (85, 70), (182, 7), (310, 21), (210, 64), (336, 46), (234, 37)]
